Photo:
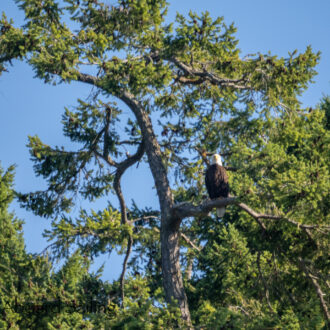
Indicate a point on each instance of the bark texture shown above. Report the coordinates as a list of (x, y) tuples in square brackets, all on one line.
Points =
[(172, 276), (170, 223)]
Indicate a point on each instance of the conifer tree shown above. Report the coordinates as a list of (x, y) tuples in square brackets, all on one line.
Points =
[(190, 93), (31, 294), (34, 296)]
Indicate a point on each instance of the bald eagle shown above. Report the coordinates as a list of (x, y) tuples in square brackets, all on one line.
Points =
[(216, 180)]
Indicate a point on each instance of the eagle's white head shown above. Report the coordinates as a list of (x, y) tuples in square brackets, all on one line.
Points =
[(216, 159)]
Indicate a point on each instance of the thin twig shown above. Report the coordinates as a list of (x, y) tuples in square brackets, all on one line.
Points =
[(47, 247), (264, 283), (148, 217), (259, 216), (190, 242), (235, 308)]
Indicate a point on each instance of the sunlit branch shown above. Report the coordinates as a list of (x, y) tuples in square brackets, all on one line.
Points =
[(122, 276), (208, 76), (107, 159), (240, 308), (145, 218), (89, 79), (184, 210), (190, 242)]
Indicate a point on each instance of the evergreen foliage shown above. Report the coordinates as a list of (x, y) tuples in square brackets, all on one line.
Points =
[(191, 93), (34, 296)]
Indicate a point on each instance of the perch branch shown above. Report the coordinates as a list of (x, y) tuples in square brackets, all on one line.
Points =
[(184, 210)]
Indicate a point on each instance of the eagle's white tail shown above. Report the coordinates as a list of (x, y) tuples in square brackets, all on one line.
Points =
[(221, 212)]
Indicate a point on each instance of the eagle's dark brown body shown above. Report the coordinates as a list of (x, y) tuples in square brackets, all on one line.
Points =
[(216, 181)]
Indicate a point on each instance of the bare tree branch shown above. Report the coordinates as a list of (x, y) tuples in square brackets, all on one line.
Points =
[(240, 308), (254, 214), (107, 159), (259, 216), (122, 275), (189, 268), (129, 142), (88, 79), (207, 76), (148, 217), (264, 283), (202, 75), (106, 132), (184, 210), (317, 287), (190, 242), (46, 248), (121, 168)]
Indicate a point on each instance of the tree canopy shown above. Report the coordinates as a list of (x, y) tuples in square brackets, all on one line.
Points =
[(190, 93)]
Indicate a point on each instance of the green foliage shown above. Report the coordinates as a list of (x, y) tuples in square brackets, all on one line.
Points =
[(203, 97), (29, 290), (94, 234), (33, 295), (255, 273), (325, 106)]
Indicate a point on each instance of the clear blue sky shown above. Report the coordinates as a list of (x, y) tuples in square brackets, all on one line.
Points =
[(28, 107)]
